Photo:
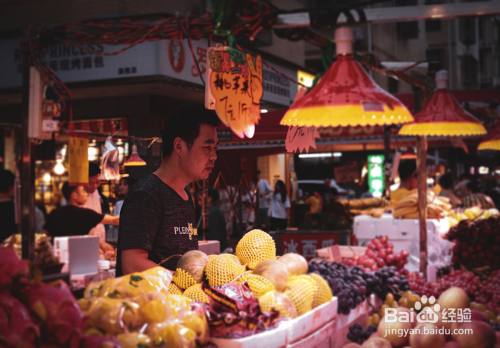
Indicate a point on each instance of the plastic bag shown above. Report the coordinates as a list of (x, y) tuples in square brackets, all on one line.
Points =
[(113, 316), (153, 280), (110, 164)]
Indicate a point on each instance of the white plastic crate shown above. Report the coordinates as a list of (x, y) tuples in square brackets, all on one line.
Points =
[(309, 322), (274, 338), (404, 234)]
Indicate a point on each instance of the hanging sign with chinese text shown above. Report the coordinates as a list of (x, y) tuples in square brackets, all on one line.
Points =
[(234, 88), (301, 139), (78, 172)]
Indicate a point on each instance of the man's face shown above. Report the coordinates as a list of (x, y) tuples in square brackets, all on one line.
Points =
[(79, 196), (199, 159), (93, 184)]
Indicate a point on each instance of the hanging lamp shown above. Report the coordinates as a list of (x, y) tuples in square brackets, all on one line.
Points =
[(346, 96), (134, 160), (442, 115), (492, 141)]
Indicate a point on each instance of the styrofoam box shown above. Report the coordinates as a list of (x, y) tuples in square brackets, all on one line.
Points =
[(404, 234), (307, 323), (342, 323), (321, 338), (275, 338), (367, 227), (354, 314)]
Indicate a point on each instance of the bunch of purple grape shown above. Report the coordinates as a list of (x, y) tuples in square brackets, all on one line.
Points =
[(358, 335), (347, 283)]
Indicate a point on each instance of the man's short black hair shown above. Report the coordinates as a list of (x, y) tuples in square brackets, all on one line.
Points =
[(67, 190), (7, 179), (94, 169), (184, 122), (406, 169)]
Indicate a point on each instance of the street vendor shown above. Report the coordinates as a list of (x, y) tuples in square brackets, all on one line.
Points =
[(408, 177), (157, 221)]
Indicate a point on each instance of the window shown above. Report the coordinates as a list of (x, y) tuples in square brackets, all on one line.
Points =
[(469, 71), (432, 25), (435, 57), (467, 30), (407, 30)]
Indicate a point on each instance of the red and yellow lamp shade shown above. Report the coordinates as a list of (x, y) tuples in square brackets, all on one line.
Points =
[(492, 141), (443, 115), (346, 96), (134, 160)]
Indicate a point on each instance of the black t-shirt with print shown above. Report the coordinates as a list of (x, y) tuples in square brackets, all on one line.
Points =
[(155, 218), (71, 220)]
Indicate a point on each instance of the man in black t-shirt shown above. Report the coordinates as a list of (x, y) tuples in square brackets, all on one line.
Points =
[(72, 219), (157, 218)]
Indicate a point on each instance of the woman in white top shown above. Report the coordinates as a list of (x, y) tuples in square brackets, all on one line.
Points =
[(280, 207)]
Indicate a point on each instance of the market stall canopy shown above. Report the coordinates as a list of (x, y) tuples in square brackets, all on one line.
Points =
[(442, 115), (492, 141), (346, 96)]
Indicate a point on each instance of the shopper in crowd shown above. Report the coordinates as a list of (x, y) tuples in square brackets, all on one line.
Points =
[(315, 203), (475, 198), (216, 229), (73, 219), (248, 207), (280, 207), (157, 221), (8, 225), (121, 192), (264, 195), (446, 184), (408, 175), (96, 201)]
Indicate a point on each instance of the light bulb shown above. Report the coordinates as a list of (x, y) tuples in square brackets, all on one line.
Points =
[(59, 168)]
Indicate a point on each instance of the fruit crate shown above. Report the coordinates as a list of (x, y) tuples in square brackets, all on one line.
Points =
[(309, 322), (339, 252), (274, 338), (357, 315), (323, 337)]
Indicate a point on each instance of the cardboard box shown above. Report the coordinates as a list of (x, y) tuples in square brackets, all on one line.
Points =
[(339, 252)]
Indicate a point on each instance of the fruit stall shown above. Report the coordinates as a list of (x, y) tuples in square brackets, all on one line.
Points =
[(257, 298)]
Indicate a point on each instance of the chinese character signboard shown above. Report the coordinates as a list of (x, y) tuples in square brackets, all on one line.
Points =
[(78, 172), (306, 244), (234, 88), (301, 139), (376, 175)]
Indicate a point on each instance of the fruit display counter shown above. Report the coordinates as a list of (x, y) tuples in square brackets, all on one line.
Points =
[(257, 298)]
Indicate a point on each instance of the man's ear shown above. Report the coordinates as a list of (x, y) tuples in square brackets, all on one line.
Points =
[(179, 144)]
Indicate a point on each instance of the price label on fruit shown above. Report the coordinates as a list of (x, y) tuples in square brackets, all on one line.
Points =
[(234, 88)]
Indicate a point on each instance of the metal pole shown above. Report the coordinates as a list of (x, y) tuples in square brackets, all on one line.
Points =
[(422, 200), (387, 162), (27, 170)]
